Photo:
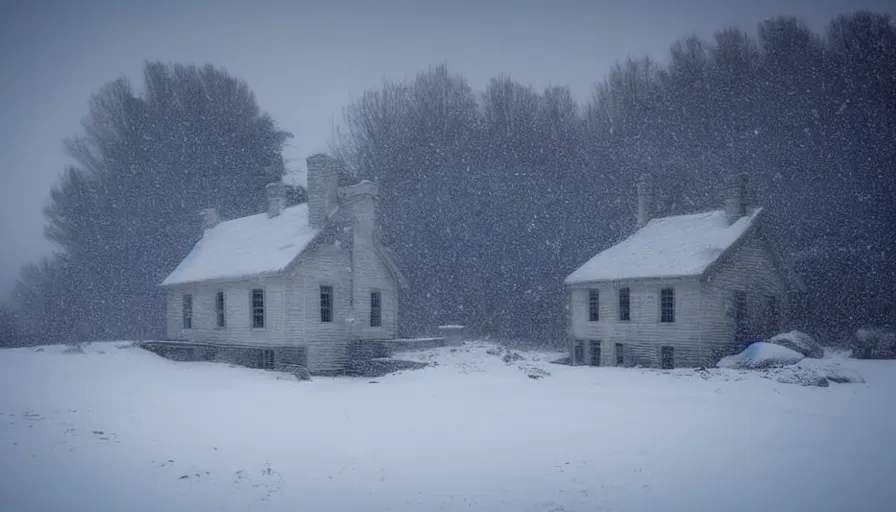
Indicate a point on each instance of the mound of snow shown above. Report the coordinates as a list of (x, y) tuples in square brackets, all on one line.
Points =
[(799, 342), (843, 375), (834, 371), (802, 375), (874, 343), (761, 355)]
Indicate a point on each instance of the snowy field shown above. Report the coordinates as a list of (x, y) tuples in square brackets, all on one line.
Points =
[(120, 429)]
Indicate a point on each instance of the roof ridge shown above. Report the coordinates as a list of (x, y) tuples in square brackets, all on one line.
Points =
[(679, 245)]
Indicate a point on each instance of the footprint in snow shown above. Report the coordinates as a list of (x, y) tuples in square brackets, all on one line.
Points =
[(269, 482), (105, 436), (195, 477)]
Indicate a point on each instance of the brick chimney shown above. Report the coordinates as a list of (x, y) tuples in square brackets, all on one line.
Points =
[(646, 201), (736, 198), (209, 217), (276, 195), (360, 199), (323, 186)]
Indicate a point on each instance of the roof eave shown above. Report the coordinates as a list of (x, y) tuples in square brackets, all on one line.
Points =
[(225, 279), (391, 265), (678, 277), (713, 268)]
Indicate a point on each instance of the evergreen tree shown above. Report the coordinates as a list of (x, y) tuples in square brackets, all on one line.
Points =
[(127, 212)]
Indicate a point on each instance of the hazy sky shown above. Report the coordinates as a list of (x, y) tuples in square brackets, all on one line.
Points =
[(306, 59)]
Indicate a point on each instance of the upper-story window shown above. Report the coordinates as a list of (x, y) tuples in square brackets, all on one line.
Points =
[(625, 312), (257, 308), (376, 309), (219, 310), (326, 304), (667, 305), (593, 306), (188, 311)]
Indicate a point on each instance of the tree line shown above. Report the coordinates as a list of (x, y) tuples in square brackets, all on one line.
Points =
[(127, 211), (490, 199)]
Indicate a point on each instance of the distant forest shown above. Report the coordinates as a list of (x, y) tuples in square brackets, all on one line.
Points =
[(489, 200)]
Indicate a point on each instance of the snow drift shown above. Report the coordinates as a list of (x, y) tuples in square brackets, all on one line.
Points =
[(800, 342), (127, 430), (761, 355)]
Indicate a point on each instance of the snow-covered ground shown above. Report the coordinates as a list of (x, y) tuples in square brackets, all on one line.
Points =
[(119, 428)]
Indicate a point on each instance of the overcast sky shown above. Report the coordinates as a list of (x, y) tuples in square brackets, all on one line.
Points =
[(306, 59)]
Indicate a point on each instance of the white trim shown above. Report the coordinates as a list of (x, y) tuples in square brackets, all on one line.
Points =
[(223, 310), (618, 311), (183, 311), (264, 309), (379, 292), (320, 285), (588, 316), (659, 303)]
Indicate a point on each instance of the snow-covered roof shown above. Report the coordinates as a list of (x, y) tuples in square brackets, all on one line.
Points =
[(248, 246), (679, 246)]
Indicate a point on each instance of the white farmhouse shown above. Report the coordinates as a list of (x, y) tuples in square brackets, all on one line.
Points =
[(292, 285), (681, 291)]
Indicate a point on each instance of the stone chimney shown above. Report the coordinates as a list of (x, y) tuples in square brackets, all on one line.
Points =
[(209, 217), (360, 199), (646, 201), (276, 194), (323, 186), (736, 198)]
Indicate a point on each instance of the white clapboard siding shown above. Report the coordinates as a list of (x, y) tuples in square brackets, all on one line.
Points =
[(328, 242), (238, 321), (704, 327), (644, 334), (750, 269), (327, 264), (371, 274)]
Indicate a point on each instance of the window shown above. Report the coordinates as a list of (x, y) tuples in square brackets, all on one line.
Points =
[(740, 314), (219, 309), (266, 359), (624, 305), (326, 303), (376, 310), (772, 306), (667, 358), (620, 355), (188, 311), (593, 305), (595, 352), (578, 354), (258, 308), (667, 305)]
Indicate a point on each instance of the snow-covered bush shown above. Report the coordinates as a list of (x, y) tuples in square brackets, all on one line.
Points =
[(74, 348), (301, 373), (874, 343), (799, 342), (761, 355), (843, 375), (511, 356), (802, 375)]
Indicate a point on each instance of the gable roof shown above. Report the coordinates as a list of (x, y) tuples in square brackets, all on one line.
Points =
[(386, 255), (679, 246), (246, 247)]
